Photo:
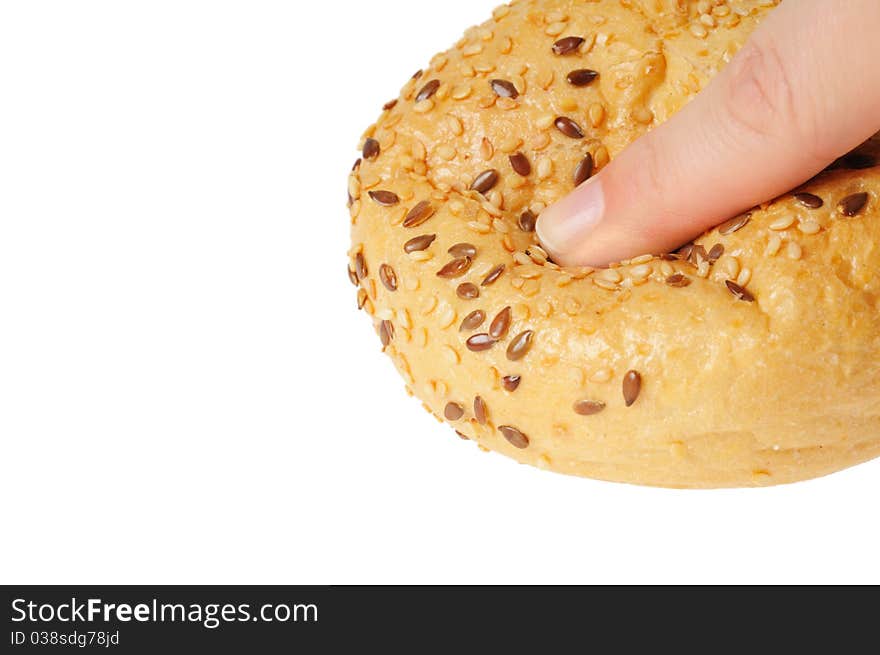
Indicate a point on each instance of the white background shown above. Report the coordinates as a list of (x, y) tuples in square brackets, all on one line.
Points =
[(187, 394)]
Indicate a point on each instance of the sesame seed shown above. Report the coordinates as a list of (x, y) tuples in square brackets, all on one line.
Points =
[(632, 387), (455, 268), (419, 214), (388, 277), (527, 221), (678, 281), (428, 90), (794, 251), (774, 243), (810, 226), (584, 170), (501, 324), (468, 291), (453, 412), (511, 382), (472, 321), (782, 223), (520, 346), (568, 45), (493, 276), (485, 181), (809, 200), (514, 436), (419, 244), (853, 205), (480, 343), (385, 198), (588, 407), (740, 292), (735, 224), (520, 164), (504, 89), (371, 149), (568, 127), (582, 77), (362, 298)]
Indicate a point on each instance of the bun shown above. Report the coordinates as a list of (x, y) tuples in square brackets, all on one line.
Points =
[(749, 358)]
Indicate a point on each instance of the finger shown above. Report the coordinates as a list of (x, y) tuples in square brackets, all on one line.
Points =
[(803, 91)]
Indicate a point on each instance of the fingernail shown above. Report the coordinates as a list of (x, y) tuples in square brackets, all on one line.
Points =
[(565, 225)]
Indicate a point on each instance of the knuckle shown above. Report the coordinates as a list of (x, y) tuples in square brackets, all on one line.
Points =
[(759, 96)]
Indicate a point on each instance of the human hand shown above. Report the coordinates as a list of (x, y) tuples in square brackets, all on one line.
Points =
[(802, 92)]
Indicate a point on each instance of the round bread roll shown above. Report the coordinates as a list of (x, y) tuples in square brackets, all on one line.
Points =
[(747, 358)]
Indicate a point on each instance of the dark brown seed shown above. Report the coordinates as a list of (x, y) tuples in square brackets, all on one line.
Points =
[(485, 181), (352, 275), (385, 198), (669, 257), (739, 292), (853, 205), (480, 342), (504, 89), (520, 164), (388, 277), (520, 346), (858, 161), (462, 436), (569, 128), (501, 325), (356, 165), (568, 45), (386, 333), (480, 411), (418, 244), (511, 383), (428, 90), (371, 149), (463, 250), (419, 214), (715, 253), (632, 387), (582, 77), (472, 321), (360, 266), (455, 268), (685, 251), (735, 224), (468, 291), (515, 437), (584, 170), (527, 221), (453, 412), (588, 407), (493, 276), (698, 254), (809, 200), (678, 281), (388, 106)]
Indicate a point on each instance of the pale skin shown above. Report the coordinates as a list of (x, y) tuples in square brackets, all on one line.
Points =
[(804, 91)]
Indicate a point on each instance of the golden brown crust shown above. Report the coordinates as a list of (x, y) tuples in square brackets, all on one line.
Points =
[(753, 363)]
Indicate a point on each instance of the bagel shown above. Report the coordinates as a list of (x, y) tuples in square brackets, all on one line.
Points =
[(746, 358)]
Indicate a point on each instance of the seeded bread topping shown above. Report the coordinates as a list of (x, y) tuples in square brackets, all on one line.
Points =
[(748, 357)]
